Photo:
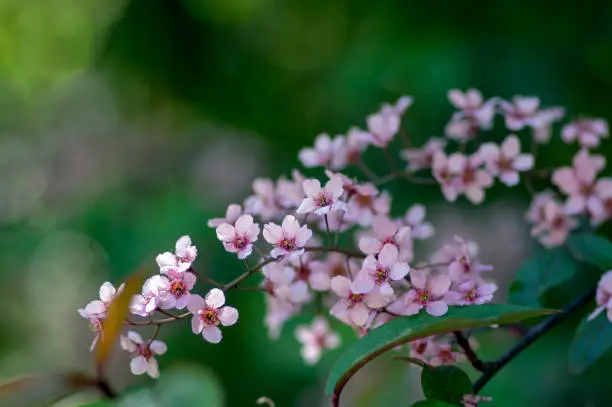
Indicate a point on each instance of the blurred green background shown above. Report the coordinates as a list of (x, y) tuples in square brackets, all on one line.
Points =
[(125, 124)]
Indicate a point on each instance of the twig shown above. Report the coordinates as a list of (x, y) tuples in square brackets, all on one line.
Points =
[(366, 170), (469, 352), (530, 337), (204, 277), (329, 236)]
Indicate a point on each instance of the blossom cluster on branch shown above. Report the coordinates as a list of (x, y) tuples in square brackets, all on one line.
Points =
[(332, 246)]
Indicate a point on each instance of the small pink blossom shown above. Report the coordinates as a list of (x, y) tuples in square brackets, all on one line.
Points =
[(603, 297), (415, 219), (232, 214), (474, 114), (461, 174), (520, 112), (209, 312), (179, 287), (239, 238), (542, 122), (422, 158), (154, 294), (462, 266), (384, 232), (383, 127), (327, 152), (444, 355), (353, 308), (554, 226), (314, 272), (377, 273), (472, 400), (357, 141), (444, 169), (535, 213), (98, 308), (426, 293), (506, 161), (280, 281), (578, 182), (184, 255), (471, 292), (322, 200), (143, 353), (315, 338), (603, 193), (588, 132), (289, 238), (278, 311), (365, 203), (263, 202), (399, 108), (289, 192)]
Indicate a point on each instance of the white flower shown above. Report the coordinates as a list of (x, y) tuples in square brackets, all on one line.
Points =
[(239, 238), (289, 238), (209, 312), (353, 308), (326, 152), (154, 294), (98, 308), (377, 273), (184, 255), (143, 360), (315, 338)]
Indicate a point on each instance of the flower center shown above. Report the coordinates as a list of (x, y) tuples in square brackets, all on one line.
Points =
[(240, 242), (177, 288), (468, 176), (380, 276), (287, 244), (364, 200), (423, 296), (338, 270), (504, 164), (144, 350), (209, 316), (322, 200), (355, 298), (303, 272), (471, 295)]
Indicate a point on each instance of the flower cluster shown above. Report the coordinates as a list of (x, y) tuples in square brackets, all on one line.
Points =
[(333, 241)]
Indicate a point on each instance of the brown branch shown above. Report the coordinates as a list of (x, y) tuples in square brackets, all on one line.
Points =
[(464, 343)]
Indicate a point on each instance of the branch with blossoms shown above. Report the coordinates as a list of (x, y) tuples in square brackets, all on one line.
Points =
[(379, 278)]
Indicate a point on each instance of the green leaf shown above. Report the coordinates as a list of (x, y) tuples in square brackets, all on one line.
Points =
[(593, 249), (431, 403), (545, 269), (592, 340), (445, 383), (42, 389), (406, 329)]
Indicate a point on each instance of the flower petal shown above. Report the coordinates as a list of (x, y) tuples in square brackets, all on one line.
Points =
[(212, 334), (228, 316), (215, 298)]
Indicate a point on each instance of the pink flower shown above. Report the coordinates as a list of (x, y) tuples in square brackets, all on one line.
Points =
[(603, 192), (383, 127), (209, 312), (95, 326), (462, 267), (326, 153), (399, 108), (289, 238), (444, 355), (603, 297), (415, 218), (143, 360), (379, 272), (289, 193), (426, 293), (578, 182), (353, 308), (313, 271), (232, 213), (520, 112), (471, 292), (555, 225), (239, 238), (506, 161), (280, 281), (365, 203), (386, 232), (263, 202), (588, 132), (422, 158), (445, 169), (315, 338), (542, 122), (322, 200), (472, 400), (179, 287), (458, 174), (278, 311), (356, 142), (98, 308), (475, 114), (182, 258), (535, 213), (154, 294)]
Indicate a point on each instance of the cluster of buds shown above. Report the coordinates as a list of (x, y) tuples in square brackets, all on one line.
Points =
[(381, 277)]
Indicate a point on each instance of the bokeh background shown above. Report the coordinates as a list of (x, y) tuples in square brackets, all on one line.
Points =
[(125, 124)]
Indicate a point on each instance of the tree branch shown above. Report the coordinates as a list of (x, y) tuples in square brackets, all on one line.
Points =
[(530, 337), (469, 352)]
